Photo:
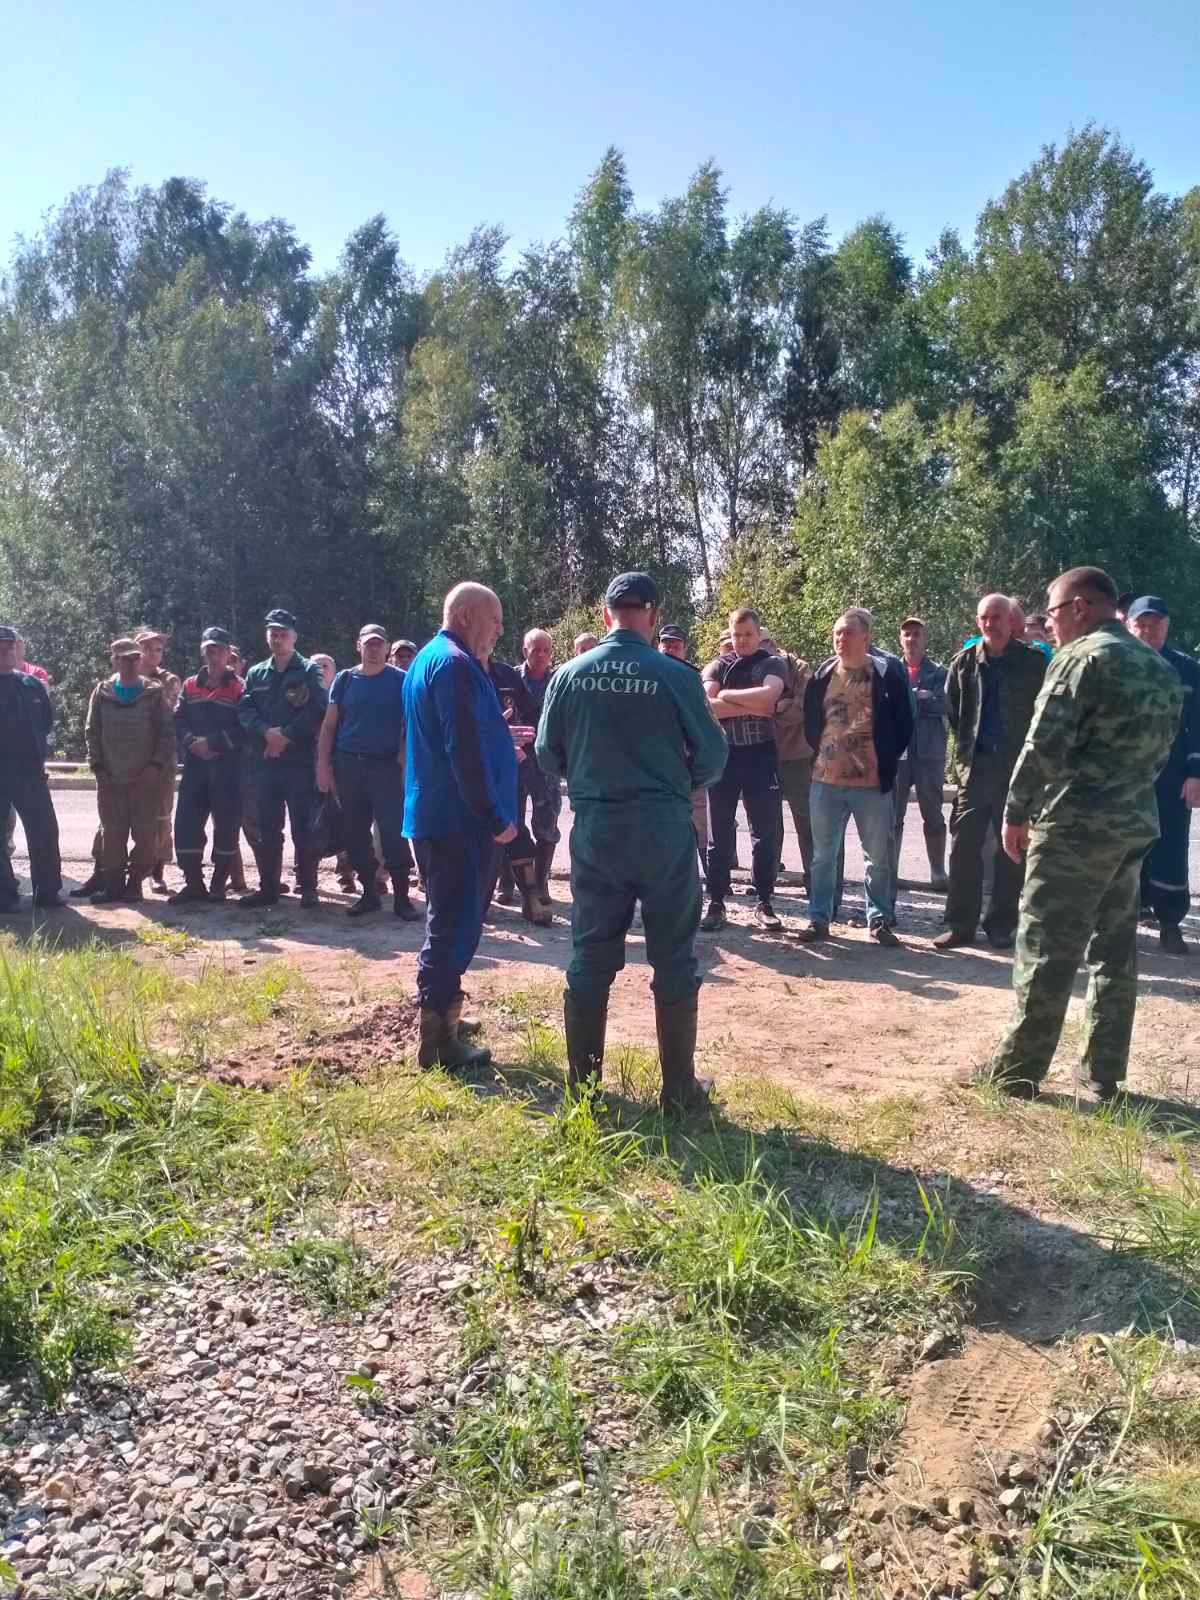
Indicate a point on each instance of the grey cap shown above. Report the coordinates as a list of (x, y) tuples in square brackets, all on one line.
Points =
[(372, 630)]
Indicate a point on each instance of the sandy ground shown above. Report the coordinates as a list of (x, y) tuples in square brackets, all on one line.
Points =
[(843, 1019)]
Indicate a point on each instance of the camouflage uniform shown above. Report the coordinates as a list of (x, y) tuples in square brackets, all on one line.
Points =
[(1101, 731)]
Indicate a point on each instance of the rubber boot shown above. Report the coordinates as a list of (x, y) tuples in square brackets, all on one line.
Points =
[(193, 885), (368, 900), (220, 880), (439, 1043), (112, 887), (586, 1024), (306, 873), (93, 885), (465, 1055), (545, 860), (402, 906), (935, 849), (432, 1026), (133, 887), (237, 876), (533, 909), (675, 1024), (270, 866), (506, 894)]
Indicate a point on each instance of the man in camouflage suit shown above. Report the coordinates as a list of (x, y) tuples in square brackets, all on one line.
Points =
[(1081, 802)]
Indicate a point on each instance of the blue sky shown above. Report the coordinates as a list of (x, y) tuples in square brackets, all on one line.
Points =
[(447, 116)]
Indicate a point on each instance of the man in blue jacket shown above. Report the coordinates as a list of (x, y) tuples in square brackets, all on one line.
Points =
[(460, 804), (26, 718)]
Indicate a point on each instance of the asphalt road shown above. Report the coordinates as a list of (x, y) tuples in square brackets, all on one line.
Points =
[(76, 810)]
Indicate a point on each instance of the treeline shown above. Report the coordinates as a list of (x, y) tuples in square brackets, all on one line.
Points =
[(194, 425)]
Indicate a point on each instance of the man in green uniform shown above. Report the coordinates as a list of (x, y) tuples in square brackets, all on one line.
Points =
[(1082, 804), (282, 710), (630, 730)]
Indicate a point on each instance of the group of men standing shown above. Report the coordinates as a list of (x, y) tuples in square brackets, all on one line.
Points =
[(1083, 767)]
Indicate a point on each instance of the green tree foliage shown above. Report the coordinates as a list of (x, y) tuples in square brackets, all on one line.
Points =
[(195, 426)]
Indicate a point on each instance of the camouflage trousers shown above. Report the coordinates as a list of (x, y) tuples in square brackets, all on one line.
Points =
[(1077, 906)]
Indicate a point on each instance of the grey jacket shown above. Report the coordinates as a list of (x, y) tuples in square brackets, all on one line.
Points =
[(928, 742)]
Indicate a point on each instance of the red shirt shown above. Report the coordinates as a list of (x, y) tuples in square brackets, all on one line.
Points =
[(37, 672)]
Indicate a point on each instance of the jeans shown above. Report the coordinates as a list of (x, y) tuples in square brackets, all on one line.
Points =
[(457, 869), (832, 805), (749, 776)]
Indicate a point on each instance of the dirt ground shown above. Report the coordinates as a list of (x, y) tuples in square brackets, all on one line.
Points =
[(841, 1020)]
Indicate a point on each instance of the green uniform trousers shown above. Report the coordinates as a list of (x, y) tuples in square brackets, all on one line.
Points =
[(1078, 905), (619, 856)]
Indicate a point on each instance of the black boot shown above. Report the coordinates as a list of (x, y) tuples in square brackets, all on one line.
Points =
[(93, 886), (306, 872), (585, 1025), (675, 1024), (237, 875), (193, 885), (220, 880), (133, 887), (368, 900), (112, 887), (270, 866), (157, 882), (402, 906), (545, 860)]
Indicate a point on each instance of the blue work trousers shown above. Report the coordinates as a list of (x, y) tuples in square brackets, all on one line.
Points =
[(458, 869)]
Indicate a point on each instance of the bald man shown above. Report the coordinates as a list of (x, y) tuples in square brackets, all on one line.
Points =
[(460, 805)]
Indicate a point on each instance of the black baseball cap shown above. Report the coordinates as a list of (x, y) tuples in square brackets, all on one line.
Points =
[(671, 631), (215, 636), (1148, 605), (372, 630), (8, 633), (280, 619), (631, 589)]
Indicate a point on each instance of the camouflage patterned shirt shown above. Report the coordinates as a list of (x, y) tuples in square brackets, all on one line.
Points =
[(1102, 729)]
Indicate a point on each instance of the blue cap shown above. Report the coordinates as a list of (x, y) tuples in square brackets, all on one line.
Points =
[(280, 619), (631, 589), (216, 636), (1148, 605), (8, 634)]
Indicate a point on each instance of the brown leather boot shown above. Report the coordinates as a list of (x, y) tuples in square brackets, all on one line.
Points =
[(533, 908)]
